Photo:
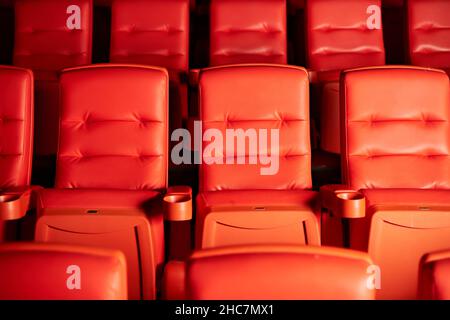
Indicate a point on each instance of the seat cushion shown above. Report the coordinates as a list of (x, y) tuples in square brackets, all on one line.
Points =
[(360, 228), (258, 198), (256, 216), (108, 199), (419, 197)]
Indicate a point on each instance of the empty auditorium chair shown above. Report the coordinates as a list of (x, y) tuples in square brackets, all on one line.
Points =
[(248, 31), (16, 145), (396, 160), (112, 168), (155, 33), (429, 33), (50, 35), (271, 273), (340, 35), (246, 197), (434, 278), (36, 271)]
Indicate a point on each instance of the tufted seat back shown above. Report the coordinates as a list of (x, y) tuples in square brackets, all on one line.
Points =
[(400, 137), (113, 129), (429, 33), (338, 35), (248, 31), (264, 97), (151, 32), (16, 127), (44, 43)]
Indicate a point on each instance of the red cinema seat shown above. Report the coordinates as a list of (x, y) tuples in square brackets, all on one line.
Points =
[(429, 33), (339, 37), (111, 167), (36, 271), (248, 31), (396, 161), (45, 44), (245, 198), (155, 33), (16, 144), (434, 279), (270, 273)]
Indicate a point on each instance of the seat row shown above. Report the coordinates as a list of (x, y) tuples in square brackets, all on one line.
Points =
[(51, 35), (111, 188)]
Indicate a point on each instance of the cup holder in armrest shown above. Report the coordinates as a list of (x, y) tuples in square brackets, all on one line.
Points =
[(178, 204), (343, 201), (14, 206), (5, 198), (350, 204)]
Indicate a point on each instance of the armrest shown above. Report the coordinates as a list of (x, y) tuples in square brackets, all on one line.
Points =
[(342, 201), (194, 77), (178, 204), (14, 204)]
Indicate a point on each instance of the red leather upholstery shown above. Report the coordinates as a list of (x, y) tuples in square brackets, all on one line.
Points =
[(155, 33), (338, 38), (258, 96), (151, 32), (248, 31), (396, 139), (429, 33), (270, 272), (235, 211), (45, 44), (16, 127), (128, 109), (48, 272), (425, 198), (435, 276), (261, 97), (16, 146), (112, 166), (338, 35), (396, 118)]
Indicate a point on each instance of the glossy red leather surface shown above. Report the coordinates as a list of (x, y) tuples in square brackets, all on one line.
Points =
[(16, 127), (429, 33), (259, 97), (31, 271), (338, 36), (259, 198), (112, 160), (360, 228), (435, 276), (396, 144), (44, 44), (271, 272), (141, 201), (151, 32), (155, 33), (108, 199), (396, 131), (248, 31), (117, 137)]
